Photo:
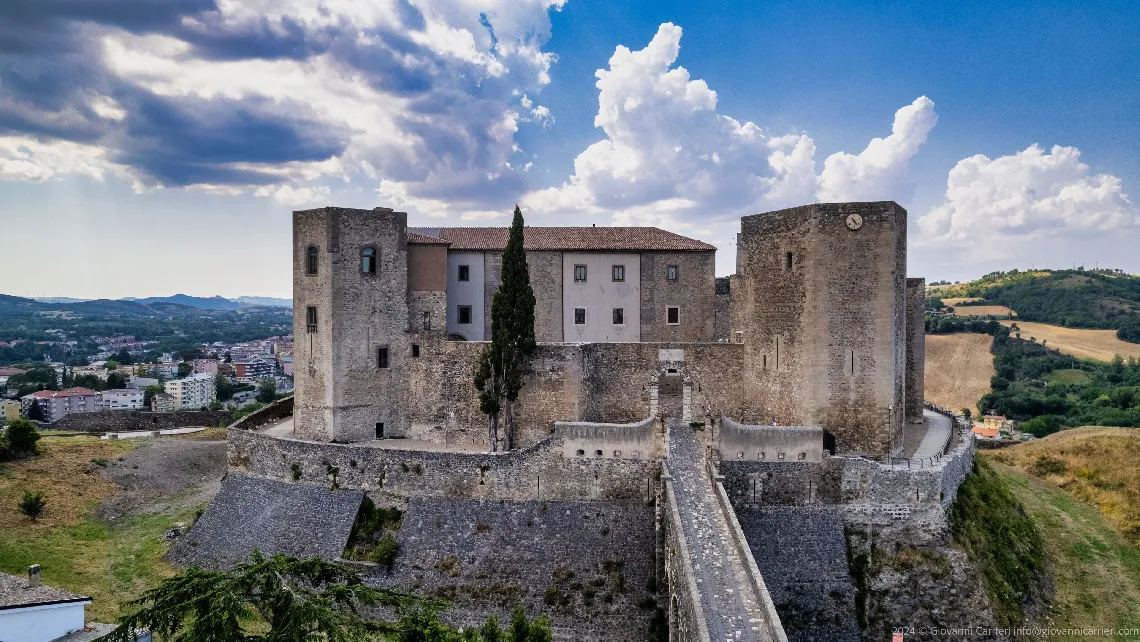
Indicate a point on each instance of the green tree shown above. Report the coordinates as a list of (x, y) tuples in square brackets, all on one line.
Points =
[(184, 369), (111, 364), (150, 391), (35, 411), (116, 381), (501, 366), (22, 437), (224, 387), (32, 504), (124, 357), (490, 631), (266, 390), (520, 627), (264, 599)]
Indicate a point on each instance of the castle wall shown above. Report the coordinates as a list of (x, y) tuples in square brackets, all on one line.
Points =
[(767, 443), (546, 280), (427, 268), (694, 292), (915, 346), (639, 440)]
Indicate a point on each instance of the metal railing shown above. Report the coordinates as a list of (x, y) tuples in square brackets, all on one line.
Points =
[(958, 423)]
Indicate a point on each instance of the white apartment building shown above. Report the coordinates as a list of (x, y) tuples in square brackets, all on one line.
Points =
[(119, 399), (193, 392)]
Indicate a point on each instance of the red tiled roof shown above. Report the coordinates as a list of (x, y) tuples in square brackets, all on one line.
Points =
[(421, 239), (985, 432), (70, 392), (586, 239)]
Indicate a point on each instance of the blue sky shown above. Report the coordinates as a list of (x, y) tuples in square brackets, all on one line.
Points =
[(161, 146)]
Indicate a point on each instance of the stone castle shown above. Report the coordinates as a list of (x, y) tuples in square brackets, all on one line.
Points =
[(811, 330), (696, 455)]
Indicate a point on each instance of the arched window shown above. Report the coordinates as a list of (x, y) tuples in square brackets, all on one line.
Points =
[(368, 260), (311, 260)]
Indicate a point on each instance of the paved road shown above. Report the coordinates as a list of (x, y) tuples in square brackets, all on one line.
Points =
[(937, 432), (731, 608)]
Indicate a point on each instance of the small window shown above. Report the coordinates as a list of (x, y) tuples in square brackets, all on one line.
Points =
[(579, 273), (464, 272), (579, 316), (781, 457), (311, 257), (368, 260), (464, 314), (673, 315), (415, 350), (802, 456), (382, 357), (427, 320), (619, 316), (379, 430), (581, 453), (597, 453), (671, 273), (619, 272), (311, 319), (788, 261)]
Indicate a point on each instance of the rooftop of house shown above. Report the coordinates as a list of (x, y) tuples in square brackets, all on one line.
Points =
[(988, 433), (582, 239), (15, 592), (70, 392)]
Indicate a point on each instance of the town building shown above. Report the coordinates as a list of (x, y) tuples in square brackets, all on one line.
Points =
[(193, 392), (9, 409), (205, 366), (7, 373), (120, 399), (252, 370), (57, 404), (162, 402), (35, 612), (286, 363)]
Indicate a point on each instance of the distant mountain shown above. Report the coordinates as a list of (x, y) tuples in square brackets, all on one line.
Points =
[(203, 303), (58, 299), (265, 300)]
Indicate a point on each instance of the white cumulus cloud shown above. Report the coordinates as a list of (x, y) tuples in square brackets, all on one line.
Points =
[(1027, 194)]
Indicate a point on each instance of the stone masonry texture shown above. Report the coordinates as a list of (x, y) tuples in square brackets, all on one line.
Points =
[(915, 346), (270, 516)]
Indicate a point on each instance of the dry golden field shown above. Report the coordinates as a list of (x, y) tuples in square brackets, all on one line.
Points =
[(1079, 342), (958, 369)]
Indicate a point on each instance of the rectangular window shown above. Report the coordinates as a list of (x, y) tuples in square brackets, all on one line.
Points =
[(788, 261), (311, 254), (579, 273), (619, 272), (415, 350), (464, 272), (579, 316), (673, 315), (382, 357), (619, 316), (368, 260), (464, 314), (311, 319), (379, 430), (671, 272), (427, 320)]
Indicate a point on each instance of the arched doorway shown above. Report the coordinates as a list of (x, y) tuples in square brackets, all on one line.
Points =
[(670, 394)]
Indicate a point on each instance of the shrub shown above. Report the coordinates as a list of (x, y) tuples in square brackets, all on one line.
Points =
[(1046, 465), (22, 437), (1041, 426), (32, 504), (386, 550)]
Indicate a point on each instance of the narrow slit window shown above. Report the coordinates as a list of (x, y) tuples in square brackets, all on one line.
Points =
[(579, 273), (464, 272), (788, 261), (619, 273), (311, 319), (463, 313), (382, 357), (851, 361), (311, 257), (368, 260), (672, 315), (671, 273), (579, 316), (415, 350), (619, 316), (427, 320)]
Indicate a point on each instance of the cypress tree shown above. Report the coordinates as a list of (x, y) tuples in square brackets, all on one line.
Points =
[(499, 376)]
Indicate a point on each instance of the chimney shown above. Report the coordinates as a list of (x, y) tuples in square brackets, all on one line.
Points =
[(33, 576)]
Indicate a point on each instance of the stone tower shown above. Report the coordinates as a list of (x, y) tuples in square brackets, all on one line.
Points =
[(820, 302), (350, 322)]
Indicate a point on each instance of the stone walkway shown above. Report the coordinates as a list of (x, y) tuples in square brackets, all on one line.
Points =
[(731, 608), (937, 433)]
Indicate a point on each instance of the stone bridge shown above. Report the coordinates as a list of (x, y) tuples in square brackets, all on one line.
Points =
[(717, 593)]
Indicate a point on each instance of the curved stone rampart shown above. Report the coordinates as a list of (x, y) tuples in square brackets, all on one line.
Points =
[(538, 472), (272, 413), (770, 443), (638, 440)]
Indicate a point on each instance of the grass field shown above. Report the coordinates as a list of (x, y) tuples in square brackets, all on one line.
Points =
[(1096, 569), (958, 369), (110, 561), (1078, 342)]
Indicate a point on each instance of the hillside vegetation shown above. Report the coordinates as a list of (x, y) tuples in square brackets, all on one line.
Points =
[(1082, 343), (1099, 299)]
